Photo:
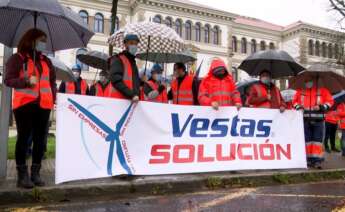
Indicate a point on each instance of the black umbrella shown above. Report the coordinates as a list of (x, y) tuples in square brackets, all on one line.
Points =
[(95, 59), (62, 71), (243, 87), (63, 27), (279, 63)]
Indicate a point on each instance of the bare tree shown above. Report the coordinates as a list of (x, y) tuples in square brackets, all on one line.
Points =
[(113, 23)]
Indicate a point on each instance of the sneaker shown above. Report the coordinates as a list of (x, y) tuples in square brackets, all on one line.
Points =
[(317, 165)]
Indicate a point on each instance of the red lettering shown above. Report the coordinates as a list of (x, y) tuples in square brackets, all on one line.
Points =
[(270, 147), (158, 151), (201, 157), (191, 154), (240, 152), (286, 153), (220, 156)]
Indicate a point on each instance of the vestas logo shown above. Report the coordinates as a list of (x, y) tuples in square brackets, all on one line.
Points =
[(113, 136), (235, 127)]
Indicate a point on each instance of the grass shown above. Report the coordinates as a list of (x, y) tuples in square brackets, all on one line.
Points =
[(50, 148)]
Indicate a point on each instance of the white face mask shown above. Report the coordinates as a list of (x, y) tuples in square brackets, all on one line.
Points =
[(266, 80), (309, 84), (133, 49), (41, 46), (76, 74)]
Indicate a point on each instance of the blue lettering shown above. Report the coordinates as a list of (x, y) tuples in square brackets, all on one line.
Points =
[(233, 132), (263, 128), (248, 130), (194, 128), (177, 131), (218, 127)]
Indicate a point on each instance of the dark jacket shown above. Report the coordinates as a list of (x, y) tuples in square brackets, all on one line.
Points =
[(62, 88), (15, 64), (116, 76)]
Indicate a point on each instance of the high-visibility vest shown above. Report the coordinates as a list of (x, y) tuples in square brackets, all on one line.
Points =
[(263, 92), (162, 97), (341, 113), (314, 150), (183, 94), (70, 87), (332, 117), (41, 90), (99, 91), (127, 77)]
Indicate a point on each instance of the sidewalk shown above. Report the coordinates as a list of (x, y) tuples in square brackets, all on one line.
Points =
[(117, 187)]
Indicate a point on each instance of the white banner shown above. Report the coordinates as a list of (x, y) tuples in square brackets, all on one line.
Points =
[(100, 137)]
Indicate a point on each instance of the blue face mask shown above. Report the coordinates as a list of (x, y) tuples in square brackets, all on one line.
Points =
[(133, 49), (159, 78), (41, 46)]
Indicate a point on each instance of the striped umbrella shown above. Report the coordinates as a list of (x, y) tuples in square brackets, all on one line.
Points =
[(63, 27)]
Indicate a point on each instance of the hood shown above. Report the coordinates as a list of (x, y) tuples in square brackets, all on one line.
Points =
[(215, 64)]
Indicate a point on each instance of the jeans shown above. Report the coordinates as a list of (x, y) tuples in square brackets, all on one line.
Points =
[(331, 131), (314, 132), (343, 142)]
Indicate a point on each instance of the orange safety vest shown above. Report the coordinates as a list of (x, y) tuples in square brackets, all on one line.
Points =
[(42, 90), (332, 117), (70, 87), (162, 97), (183, 94), (314, 150), (127, 78), (99, 90), (263, 92), (341, 113)]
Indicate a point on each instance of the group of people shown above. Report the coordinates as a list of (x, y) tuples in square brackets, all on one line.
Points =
[(31, 75)]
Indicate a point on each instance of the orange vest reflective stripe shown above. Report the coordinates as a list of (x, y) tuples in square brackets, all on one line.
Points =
[(263, 92), (42, 90), (314, 150), (183, 95), (308, 101), (162, 97), (127, 78), (70, 87)]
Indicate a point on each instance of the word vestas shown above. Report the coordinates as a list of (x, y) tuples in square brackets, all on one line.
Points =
[(204, 127)]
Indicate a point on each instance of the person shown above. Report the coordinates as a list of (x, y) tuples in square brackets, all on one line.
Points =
[(79, 86), (124, 75), (218, 88), (153, 89), (100, 87), (183, 89), (331, 122), (341, 114), (265, 94), (33, 79), (314, 101)]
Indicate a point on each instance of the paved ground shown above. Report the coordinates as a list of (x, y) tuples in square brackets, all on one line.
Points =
[(326, 196)]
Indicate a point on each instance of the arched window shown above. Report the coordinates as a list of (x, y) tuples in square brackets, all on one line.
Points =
[(188, 27), (178, 27), (198, 32), (83, 66), (311, 47), (117, 24), (336, 51), (99, 23), (216, 35), (157, 19), (317, 48), (244, 46), (330, 50), (207, 34), (168, 22), (324, 49), (272, 47), (85, 16), (234, 44), (253, 46), (262, 45)]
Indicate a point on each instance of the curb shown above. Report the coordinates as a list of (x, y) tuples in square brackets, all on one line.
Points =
[(160, 185)]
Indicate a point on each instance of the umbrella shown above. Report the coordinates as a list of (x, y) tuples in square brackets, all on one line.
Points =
[(288, 95), (95, 59), (161, 57), (243, 87), (279, 63), (339, 97), (62, 71), (63, 27), (326, 76)]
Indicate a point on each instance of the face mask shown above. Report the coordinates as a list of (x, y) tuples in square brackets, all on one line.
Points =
[(266, 80), (76, 74), (40, 46), (309, 84), (159, 78), (132, 49)]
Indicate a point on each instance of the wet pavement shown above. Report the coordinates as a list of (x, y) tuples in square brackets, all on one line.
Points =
[(318, 197)]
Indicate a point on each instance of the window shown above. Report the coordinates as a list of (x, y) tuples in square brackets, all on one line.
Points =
[(83, 66), (85, 16), (262, 45), (198, 32), (168, 22), (117, 24), (188, 30), (272, 47), (311, 47), (253, 46), (317, 48), (157, 19), (234, 44), (178, 27), (330, 50), (216, 35), (207, 34), (336, 51), (324, 49), (244, 46), (99, 23)]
